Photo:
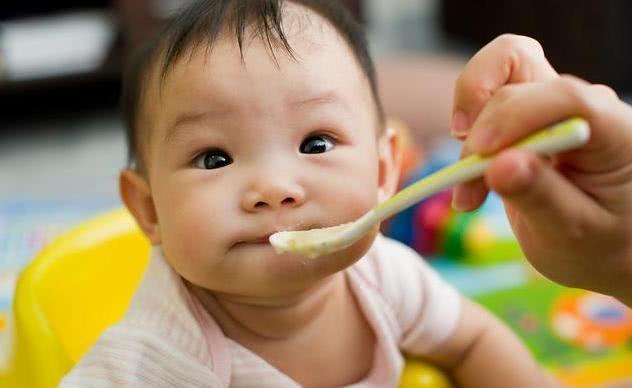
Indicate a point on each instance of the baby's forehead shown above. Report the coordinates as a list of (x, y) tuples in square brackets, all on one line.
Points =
[(306, 32), (314, 54), (221, 82)]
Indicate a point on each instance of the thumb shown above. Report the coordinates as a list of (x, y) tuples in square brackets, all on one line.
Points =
[(546, 203)]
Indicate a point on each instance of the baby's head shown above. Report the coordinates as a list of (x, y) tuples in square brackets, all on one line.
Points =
[(249, 117)]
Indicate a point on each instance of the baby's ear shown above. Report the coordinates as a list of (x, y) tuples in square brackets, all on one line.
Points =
[(390, 154), (136, 195)]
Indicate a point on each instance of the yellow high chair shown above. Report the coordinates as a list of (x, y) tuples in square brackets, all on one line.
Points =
[(76, 287), (79, 285)]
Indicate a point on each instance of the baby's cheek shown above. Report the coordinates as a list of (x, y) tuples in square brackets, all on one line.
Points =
[(190, 226), (359, 199), (188, 238), (362, 203)]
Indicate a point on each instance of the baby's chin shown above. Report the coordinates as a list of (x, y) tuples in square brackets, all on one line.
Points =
[(340, 260), (314, 270), (273, 275)]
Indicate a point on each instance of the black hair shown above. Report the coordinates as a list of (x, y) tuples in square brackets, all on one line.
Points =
[(201, 22)]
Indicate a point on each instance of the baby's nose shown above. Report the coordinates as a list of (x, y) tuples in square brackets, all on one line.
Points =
[(273, 195)]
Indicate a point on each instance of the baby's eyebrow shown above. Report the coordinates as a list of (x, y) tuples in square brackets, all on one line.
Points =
[(328, 97), (321, 98), (190, 117)]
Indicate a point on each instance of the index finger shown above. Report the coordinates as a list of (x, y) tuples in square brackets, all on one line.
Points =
[(507, 59)]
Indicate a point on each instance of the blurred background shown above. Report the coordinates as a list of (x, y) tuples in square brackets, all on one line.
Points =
[(62, 141), (60, 63)]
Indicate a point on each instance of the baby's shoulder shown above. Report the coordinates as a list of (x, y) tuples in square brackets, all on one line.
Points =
[(164, 309)]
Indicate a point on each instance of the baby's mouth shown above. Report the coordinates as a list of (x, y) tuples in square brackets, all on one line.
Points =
[(262, 240)]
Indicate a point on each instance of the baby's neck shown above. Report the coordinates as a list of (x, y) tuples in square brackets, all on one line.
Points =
[(275, 319), (320, 326)]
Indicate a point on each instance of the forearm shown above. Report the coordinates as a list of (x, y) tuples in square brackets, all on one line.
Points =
[(483, 352), (498, 359)]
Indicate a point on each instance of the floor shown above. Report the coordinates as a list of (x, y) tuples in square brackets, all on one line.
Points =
[(69, 158)]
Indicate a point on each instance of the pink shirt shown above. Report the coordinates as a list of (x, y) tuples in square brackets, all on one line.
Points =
[(168, 340)]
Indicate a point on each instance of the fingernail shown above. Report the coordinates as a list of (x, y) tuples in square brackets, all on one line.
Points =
[(459, 199), (459, 124)]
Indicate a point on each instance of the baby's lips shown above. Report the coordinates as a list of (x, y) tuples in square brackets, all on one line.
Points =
[(263, 239)]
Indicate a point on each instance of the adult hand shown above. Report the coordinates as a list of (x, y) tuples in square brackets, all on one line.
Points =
[(572, 213)]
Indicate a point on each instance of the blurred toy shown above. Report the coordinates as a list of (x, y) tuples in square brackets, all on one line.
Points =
[(417, 374), (433, 229), (583, 338), (592, 321)]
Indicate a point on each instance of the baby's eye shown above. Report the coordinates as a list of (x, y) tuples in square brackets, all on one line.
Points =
[(317, 144), (213, 159)]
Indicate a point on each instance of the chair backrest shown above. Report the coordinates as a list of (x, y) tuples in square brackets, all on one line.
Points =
[(76, 287)]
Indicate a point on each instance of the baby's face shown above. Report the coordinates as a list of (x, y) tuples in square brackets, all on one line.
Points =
[(239, 151)]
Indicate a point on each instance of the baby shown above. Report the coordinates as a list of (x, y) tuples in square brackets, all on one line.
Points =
[(246, 118)]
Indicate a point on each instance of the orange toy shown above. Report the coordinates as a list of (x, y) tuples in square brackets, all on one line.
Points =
[(592, 321)]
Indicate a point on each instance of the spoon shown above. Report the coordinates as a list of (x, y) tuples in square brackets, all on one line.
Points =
[(312, 243)]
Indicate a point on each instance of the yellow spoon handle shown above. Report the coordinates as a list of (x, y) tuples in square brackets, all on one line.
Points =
[(562, 136)]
